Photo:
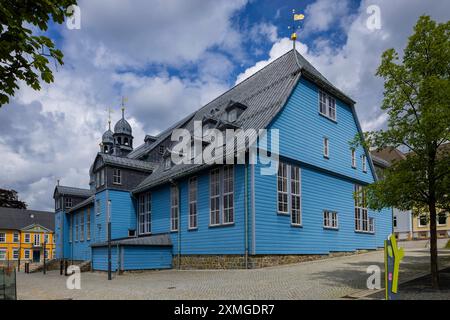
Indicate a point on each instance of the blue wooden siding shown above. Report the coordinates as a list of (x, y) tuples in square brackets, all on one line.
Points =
[(123, 213), (80, 249), (139, 257), (320, 191), (58, 234), (100, 258), (302, 129)]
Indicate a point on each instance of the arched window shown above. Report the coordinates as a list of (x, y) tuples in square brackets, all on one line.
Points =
[(119, 140), (125, 141)]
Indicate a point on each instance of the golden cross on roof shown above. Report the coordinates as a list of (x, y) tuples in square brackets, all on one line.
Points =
[(124, 99)]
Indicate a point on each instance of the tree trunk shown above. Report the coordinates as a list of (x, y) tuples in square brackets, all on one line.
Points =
[(433, 247)]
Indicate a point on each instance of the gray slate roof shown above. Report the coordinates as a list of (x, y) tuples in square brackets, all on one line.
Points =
[(72, 191), (264, 93), (153, 240), (16, 219), (83, 203), (127, 162)]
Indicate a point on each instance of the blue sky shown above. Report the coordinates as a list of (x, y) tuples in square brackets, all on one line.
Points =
[(170, 58)]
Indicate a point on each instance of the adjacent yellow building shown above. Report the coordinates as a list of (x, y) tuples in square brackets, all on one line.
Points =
[(421, 226), (26, 236)]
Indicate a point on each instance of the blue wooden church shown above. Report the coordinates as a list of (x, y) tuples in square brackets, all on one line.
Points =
[(166, 215)]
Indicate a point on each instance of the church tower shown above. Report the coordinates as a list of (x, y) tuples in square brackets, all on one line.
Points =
[(123, 138), (107, 144)]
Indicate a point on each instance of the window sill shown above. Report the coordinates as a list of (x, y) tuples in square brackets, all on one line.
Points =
[(117, 184), (326, 157), (287, 214), (293, 225), (364, 232), (353, 167), (193, 229), (331, 228), (229, 224), (327, 117)]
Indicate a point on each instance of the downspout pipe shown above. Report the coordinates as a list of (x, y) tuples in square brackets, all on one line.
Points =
[(246, 213)]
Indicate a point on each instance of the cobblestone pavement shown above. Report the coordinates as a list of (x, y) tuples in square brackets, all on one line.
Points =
[(322, 279)]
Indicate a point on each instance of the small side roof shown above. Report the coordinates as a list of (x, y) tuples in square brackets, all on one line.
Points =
[(72, 191), (82, 204), (125, 162), (153, 240)]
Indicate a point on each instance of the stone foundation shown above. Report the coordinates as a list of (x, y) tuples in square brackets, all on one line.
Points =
[(199, 262)]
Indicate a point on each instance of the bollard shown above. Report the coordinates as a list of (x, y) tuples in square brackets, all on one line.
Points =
[(61, 267), (27, 267), (66, 265)]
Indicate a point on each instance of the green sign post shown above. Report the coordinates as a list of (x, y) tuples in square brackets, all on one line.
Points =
[(393, 255)]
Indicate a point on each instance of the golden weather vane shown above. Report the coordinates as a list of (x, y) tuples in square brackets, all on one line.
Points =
[(294, 26)]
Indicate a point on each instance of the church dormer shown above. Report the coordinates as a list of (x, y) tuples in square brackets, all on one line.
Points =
[(123, 138)]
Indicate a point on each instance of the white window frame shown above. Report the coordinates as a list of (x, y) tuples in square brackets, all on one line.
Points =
[(419, 224), (327, 106), (98, 208), (326, 147), (88, 224), (295, 195), (174, 208), (353, 151), (16, 240), (81, 220), (193, 210), (364, 163), (26, 254), (27, 238), (145, 213), (2, 237), (362, 218), (282, 188), (77, 230), (15, 254), (437, 219), (330, 219), (291, 191), (214, 197), (102, 177), (228, 194), (4, 253), (232, 115), (117, 176), (38, 237), (68, 202)]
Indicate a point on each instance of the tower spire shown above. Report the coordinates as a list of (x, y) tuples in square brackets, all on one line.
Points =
[(124, 99)]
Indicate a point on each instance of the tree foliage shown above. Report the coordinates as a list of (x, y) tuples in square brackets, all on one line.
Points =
[(24, 55), (417, 101)]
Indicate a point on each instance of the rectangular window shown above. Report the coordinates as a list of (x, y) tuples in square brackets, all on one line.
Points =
[(371, 225), (76, 228), (46, 238), (2, 237), (327, 105), (68, 203), (81, 226), (97, 179), (361, 211), (102, 177), (282, 188), (16, 237), (37, 239), (26, 254), (364, 164), (97, 207), (88, 224), (2, 254), (326, 147), (117, 176), (174, 208), (353, 158), (295, 196), (15, 254), (70, 228), (145, 213), (193, 203), (442, 219), (161, 149), (423, 221), (228, 194), (27, 238), (214, 194), (330, 219)]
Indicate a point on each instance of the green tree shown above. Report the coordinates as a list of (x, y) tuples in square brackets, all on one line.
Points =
[(24, 55), (417, 100)]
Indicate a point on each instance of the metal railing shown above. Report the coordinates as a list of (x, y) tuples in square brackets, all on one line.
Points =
[(8, 289)]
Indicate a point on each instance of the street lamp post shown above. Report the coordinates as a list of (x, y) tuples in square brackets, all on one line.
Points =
[(109, 239)]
